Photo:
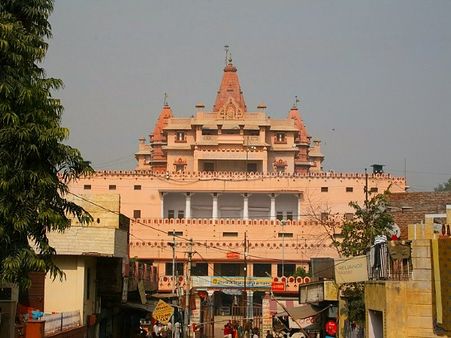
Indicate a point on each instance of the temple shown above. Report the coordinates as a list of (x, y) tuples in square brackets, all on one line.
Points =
[(241, 191), (230, 138)]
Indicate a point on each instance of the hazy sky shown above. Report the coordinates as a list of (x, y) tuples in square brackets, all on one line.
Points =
[(374, 76)]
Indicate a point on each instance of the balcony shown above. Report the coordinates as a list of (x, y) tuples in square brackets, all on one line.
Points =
[(390, 260), (288, 284)]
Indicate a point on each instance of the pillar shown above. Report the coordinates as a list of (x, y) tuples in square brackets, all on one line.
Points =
[(188, 205), (245, 207), (215, 206), (299, 207), (272, 213), (162, 194), (250, 304)]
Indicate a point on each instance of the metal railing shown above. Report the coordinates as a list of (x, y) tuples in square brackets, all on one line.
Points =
[(390, 260), (59, 322)]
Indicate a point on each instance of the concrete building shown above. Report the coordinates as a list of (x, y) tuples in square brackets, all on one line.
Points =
[(223, 175), (93, 258), (414, 299)]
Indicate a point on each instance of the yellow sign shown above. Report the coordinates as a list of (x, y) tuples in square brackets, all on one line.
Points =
[(163, 312), (350, 270)]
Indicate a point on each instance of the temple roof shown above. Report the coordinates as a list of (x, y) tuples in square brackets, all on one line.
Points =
[(165, 115), (303, 136), (230, 90)]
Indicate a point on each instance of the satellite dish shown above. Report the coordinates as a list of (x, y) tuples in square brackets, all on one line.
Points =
[(395, 231)]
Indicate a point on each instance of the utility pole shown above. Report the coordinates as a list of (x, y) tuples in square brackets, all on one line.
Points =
[(282, 222), (245, 277), (173, 281), (366, 188), (188, 289)]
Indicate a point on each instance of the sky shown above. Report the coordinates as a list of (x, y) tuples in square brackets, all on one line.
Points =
[(374, 77)]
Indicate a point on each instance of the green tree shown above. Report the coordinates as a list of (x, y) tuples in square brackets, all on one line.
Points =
[(357, 236), (444, 186), (35, 166), (370, 220)]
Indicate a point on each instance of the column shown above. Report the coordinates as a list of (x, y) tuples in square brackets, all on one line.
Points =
[(272, 212), (250, 304), (245, 207), (162, 204), (188, 205), (215, 206), (299, 207)]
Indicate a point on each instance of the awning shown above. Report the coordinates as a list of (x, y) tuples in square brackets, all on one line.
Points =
[(163, 295), (149, 307), (303, 311), (210, 126)]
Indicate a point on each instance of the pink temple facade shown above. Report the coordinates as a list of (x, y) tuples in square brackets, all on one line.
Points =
[(224, 174)]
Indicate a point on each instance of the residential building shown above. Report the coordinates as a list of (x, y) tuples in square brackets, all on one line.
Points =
[(410, 296)]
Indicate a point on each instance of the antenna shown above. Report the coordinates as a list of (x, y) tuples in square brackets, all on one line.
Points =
[(165, 99), (296, 101), (226, 47)]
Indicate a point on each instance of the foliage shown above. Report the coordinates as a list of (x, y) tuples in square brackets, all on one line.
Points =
[(35, 166), (444, 186), (300, 272), (355, 303), (368, 221)]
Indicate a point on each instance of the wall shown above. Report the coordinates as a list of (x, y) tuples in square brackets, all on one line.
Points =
[(407, 306), (70, 293)]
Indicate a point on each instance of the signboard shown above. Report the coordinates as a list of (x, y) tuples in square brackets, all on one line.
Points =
[(142, 292), (231, 282), (351, 269), (278, 286), (163, 312), (233, 255), (266, 314)]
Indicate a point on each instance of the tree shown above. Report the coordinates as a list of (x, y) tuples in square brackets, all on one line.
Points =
[(35, 166), (444, 186), (357, 236), (369, 221)]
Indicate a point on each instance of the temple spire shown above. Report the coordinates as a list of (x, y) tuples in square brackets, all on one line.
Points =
[(230, 90)]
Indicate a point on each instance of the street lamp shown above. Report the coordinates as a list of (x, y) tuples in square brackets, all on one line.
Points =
[(282, 223), (172, 244)]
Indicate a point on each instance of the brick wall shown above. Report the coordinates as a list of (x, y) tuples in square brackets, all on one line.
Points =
[(410, 207)]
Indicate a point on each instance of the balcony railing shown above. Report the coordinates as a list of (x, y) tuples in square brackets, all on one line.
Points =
[(59, 322), (390, 260)]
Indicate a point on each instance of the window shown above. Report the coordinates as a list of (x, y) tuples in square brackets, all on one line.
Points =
[(289, 215), (349, 189), (178, 269), (171, 214), (324, 216), (181, 214), (279, 215), (199, 269), (288, 269), (175, 233), (180, 136), (285, 235), (136, 213), (262, 270), (231, 131), (280, 138), (112, 187), (230, 234), (374, 189), (137, 187), (209, 166), (87, 187), (179, 167), (88, 283), (252, 167), (324, 189), (348, 216)]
